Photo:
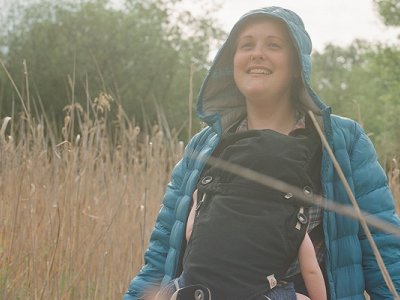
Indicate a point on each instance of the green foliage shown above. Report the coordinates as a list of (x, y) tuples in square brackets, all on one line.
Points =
[(363, 82), (389, 11), (140, 53), (384, 66), (334, 78)]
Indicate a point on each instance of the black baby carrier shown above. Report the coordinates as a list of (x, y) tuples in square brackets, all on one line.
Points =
[(246, 235)]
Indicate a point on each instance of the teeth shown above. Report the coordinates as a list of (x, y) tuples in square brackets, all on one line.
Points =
[(260, 71)]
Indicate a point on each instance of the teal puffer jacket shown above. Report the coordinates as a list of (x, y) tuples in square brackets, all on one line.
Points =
[(350, 264)]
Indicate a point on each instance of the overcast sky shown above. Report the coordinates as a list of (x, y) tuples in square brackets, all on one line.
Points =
[(335, 21), (327, 21)]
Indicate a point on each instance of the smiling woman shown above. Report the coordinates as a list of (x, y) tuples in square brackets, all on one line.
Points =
[(264, 71), (223, 235)]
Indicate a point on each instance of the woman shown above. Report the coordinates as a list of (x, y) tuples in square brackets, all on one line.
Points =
[(260, 80)]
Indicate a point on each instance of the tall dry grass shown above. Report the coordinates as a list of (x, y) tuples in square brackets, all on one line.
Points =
[(76, 209), (75, 216)]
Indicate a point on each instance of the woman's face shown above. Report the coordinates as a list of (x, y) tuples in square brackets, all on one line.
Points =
[(264, 61)]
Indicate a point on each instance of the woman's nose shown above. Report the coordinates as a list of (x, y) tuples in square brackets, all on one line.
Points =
[(257, 53)]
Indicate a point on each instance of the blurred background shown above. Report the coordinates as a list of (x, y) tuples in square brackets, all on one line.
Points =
[(150, 56), (97, 102)]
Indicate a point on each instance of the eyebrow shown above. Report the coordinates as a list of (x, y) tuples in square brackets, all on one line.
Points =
[(269, 36)]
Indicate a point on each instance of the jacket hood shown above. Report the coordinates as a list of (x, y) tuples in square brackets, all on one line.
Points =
[(220, 103)]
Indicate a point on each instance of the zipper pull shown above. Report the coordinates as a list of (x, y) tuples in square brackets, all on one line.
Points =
[(199, 204)]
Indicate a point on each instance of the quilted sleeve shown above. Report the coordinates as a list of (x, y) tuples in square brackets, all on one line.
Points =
[(374, 197), (152, 273)]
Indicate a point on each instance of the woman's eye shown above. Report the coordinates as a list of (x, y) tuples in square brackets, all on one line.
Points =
[(245, 46), (274, 46)]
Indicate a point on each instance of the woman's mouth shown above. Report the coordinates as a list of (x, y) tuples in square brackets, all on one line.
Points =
[(261, 71)]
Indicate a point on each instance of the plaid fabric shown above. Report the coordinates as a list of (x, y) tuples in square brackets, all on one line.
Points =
[(300, 123), (315, 215), (315, 212)]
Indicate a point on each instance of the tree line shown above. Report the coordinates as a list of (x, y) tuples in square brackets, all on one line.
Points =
[(140, 53), (149, 56), (362, 81)]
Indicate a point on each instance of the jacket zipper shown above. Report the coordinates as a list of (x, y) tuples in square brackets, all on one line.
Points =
[(199, 204)]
